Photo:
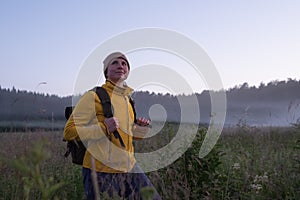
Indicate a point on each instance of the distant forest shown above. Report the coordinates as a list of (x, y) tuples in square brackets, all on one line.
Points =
[(274, 103)]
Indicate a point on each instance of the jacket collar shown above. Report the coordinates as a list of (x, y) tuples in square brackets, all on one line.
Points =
[(111, 87)]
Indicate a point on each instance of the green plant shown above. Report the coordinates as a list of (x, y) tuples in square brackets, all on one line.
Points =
[(191, 177), (202, 173), (147, 193), (33, 179)]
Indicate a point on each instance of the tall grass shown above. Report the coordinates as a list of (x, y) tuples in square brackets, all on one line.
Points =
[(253, 163), (261, 163), (33, 167)]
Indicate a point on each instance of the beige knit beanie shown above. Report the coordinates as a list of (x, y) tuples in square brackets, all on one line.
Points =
[(108, 60)]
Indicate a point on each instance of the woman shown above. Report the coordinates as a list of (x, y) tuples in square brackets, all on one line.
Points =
[(109, 165)]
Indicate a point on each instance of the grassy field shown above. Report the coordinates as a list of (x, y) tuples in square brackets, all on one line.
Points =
[(246, 163)]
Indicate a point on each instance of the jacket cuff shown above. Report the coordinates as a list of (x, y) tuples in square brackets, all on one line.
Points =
[(139, 132)]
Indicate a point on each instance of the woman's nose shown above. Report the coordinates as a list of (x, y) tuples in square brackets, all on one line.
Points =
[(119, 65)]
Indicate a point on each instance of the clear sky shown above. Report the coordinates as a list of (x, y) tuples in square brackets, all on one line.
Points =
[(47, 41)]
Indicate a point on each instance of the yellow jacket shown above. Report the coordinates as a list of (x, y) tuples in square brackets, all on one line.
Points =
[(87, 124)]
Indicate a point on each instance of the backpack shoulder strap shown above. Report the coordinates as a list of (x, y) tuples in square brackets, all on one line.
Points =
[(105, 101), (107, 109), (68, 111), (133, 108)]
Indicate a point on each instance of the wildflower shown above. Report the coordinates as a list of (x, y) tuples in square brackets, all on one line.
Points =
[(261, 179), (236, 166), (256, 187)]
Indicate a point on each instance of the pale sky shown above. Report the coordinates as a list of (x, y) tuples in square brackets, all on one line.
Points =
[(47, 41)]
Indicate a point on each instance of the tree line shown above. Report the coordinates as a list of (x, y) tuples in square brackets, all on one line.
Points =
[(275, 102)]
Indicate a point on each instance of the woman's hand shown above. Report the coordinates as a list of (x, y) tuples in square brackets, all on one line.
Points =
[(112, 124), (141, 121)]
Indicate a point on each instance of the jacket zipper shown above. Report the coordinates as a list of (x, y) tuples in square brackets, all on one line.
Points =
[(127, 129)]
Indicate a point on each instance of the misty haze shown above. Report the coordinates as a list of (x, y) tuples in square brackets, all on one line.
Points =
[(272, 104)]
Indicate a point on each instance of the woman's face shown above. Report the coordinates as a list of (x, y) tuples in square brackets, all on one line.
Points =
[(117, 70)]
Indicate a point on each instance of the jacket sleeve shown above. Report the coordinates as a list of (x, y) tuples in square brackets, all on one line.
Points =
[(139, 132), (87, 119)]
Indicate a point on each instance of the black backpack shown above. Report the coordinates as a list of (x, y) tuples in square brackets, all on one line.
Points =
[(76, 147)]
